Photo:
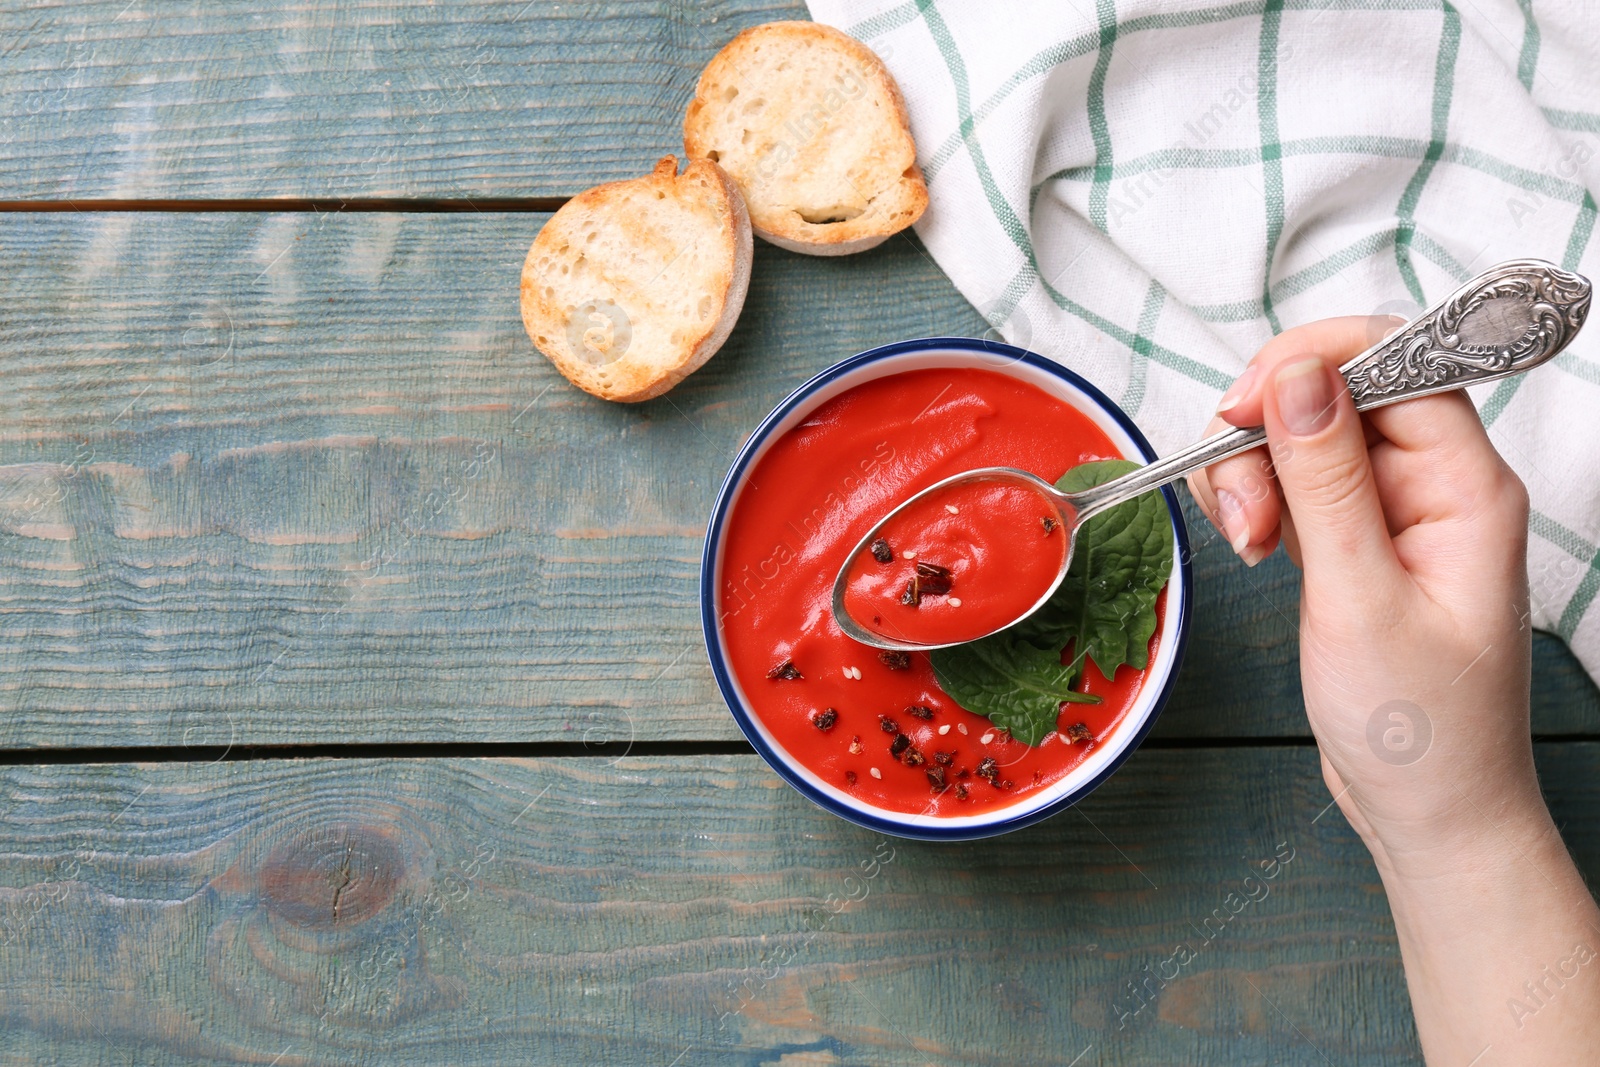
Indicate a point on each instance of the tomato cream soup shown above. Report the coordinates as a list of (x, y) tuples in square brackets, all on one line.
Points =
[(876, 724)]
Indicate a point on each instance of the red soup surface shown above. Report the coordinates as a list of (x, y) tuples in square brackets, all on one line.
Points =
[(840, 707), (960, 563)]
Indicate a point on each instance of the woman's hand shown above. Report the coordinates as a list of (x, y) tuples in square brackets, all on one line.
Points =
[(1412, 533), (1414, 658)]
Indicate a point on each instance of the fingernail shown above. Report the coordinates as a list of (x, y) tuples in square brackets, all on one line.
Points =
[(1236, 391), (1254, 554), (1234, 524), (1305, 396)]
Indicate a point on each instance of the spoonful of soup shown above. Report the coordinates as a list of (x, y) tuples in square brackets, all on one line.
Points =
[(982, 550)]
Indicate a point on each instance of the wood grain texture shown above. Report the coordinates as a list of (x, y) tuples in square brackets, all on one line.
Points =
[(678, 911), (351, 98), (301, 478)]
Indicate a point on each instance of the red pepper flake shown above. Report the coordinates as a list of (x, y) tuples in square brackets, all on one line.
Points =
[(936, 778), (1049, 526), (932, 579), (895, 661), (1078, 732), (825, 719), (785, 671), (920, 711), (888, 725), (913, 757), (912, 595), (900, 743), (989, 770), (850, 776), (961, 791), (882, 552), (943, 758), (963, 773)]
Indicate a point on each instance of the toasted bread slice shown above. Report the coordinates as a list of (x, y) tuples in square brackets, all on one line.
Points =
[(811, 125), (632, 285)]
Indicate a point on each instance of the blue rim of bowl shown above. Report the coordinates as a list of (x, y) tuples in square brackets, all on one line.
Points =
[(708, 622)]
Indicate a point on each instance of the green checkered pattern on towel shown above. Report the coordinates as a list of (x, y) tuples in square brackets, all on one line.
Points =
[(1147, 190)]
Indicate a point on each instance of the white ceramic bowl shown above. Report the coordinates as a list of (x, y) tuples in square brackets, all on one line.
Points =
[(949, 352)]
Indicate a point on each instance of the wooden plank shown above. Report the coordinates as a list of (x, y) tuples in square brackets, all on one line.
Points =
[(301, 478), (340, 98), (678, 911)]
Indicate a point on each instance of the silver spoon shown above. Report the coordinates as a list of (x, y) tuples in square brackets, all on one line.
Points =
[(1507, 320)]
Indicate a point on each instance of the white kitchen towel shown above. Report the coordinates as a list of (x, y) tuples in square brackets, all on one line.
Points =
[(1147, 190)]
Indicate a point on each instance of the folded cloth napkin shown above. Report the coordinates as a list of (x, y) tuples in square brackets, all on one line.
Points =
[(1147, 190)]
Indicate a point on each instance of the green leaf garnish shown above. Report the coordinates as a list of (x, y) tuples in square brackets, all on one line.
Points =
[(1019, 686), (1122, 558), (1105, 609)]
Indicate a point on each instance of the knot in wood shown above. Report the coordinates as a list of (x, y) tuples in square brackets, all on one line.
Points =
[(331, 876)]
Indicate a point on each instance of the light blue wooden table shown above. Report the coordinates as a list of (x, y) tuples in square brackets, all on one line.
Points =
[(353, 706)]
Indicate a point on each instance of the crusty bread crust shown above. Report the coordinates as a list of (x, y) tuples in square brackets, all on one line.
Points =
[(633, 285), (812, 126)]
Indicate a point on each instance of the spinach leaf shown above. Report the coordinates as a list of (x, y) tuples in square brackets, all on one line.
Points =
[(1018, 685), (1105, 609), (1107, 603)]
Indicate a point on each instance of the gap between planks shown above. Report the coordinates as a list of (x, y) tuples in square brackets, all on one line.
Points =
[(26, 757)]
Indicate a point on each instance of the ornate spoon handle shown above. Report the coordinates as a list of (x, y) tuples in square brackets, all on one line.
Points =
[(1507, 320)]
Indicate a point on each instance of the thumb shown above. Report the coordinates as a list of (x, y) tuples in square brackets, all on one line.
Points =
[(1319, 450)]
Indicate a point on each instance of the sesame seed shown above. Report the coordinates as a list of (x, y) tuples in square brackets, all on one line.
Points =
[(955, 601), (875, 772), (986, 738), (944, 729), (908, 554), (952, 509), (962, 727)]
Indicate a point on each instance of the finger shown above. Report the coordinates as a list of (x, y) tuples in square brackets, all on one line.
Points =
[(1335, 340), (1240, 494), (1258, 552), (1453, 516), (1290, 539), (1247, 501), (1239, 497), (1319, 453), (1437, 464), (1206, 498), (1200, 488)]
